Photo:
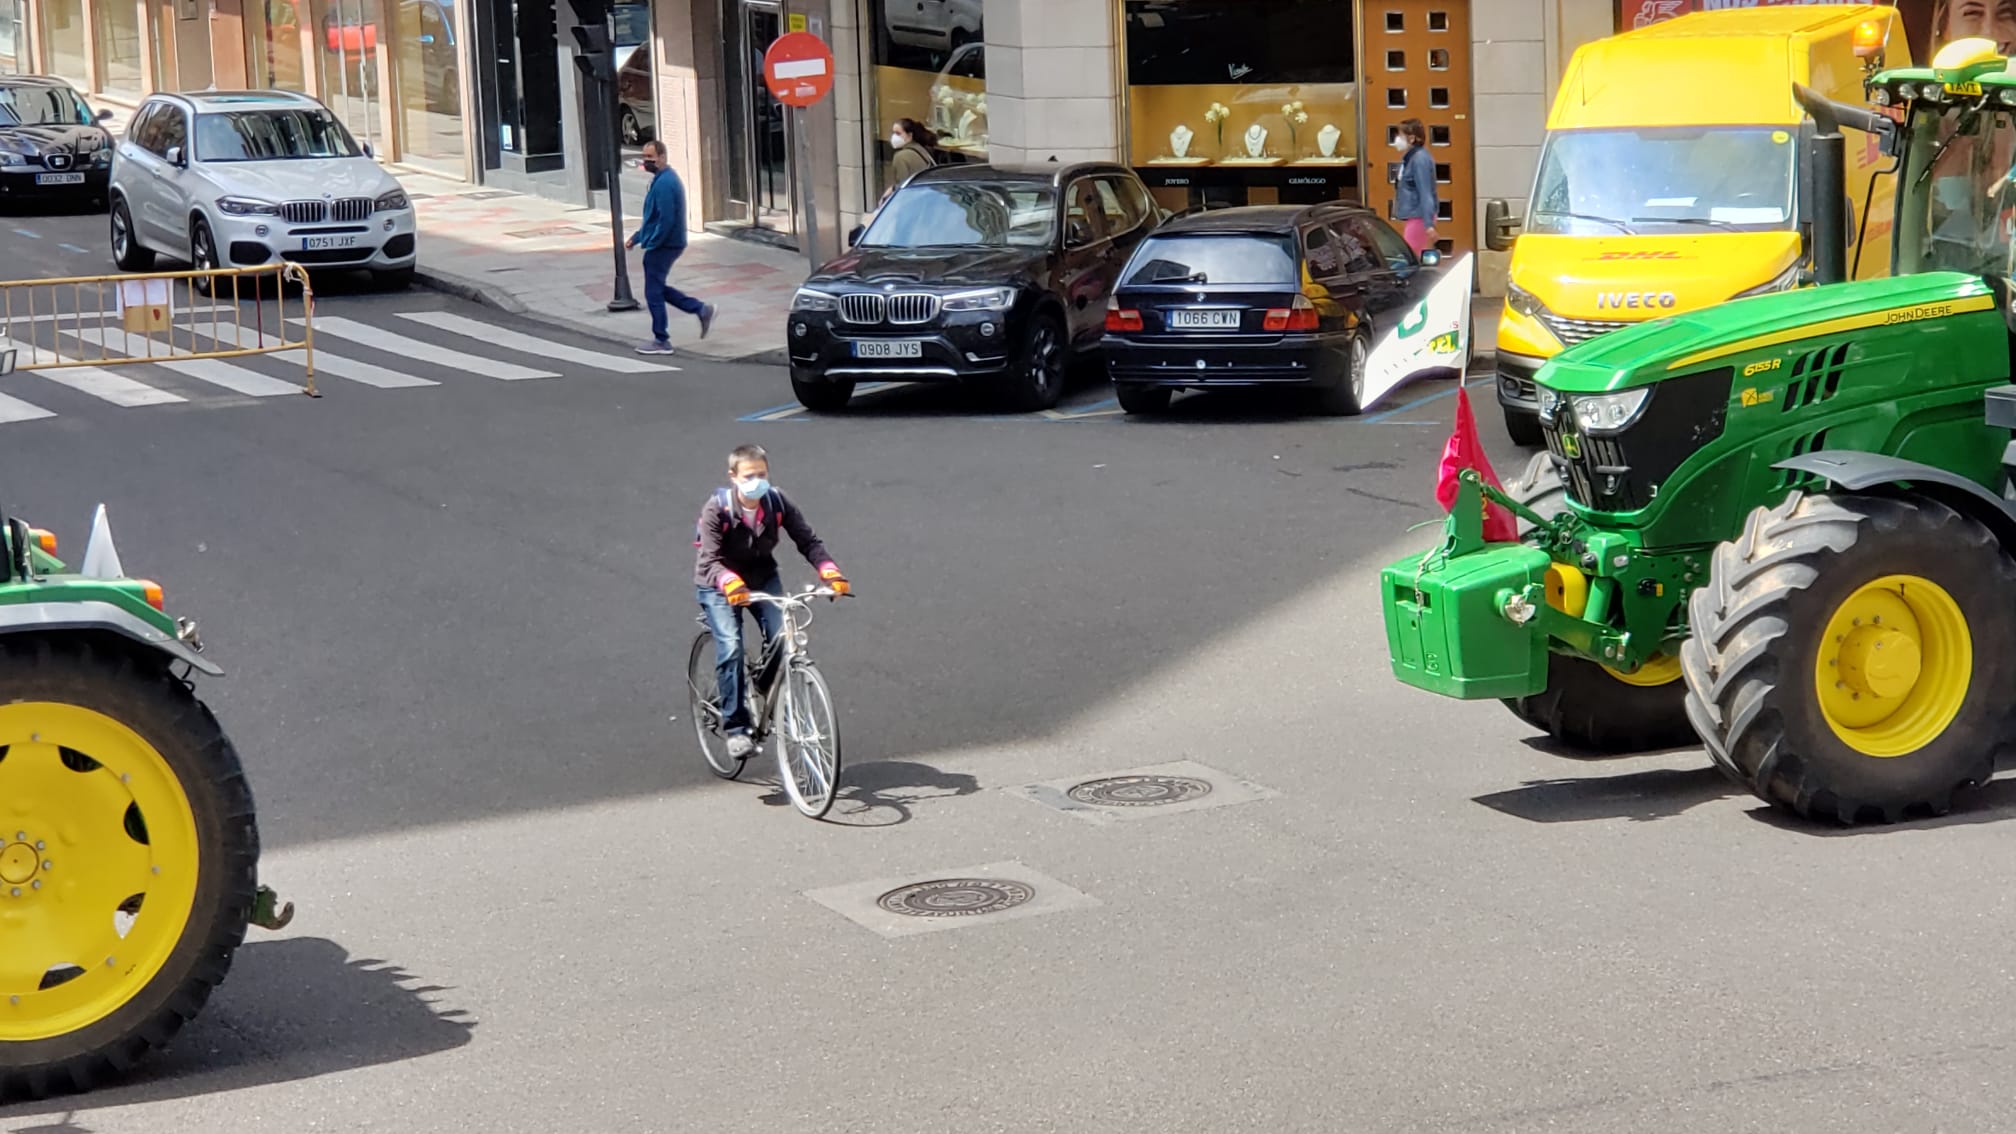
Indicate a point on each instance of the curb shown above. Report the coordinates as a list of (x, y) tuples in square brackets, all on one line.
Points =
[(490, 295)]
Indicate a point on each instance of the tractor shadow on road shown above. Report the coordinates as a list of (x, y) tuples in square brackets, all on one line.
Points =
[(1659, 793), (292, 1008), (881, 794)]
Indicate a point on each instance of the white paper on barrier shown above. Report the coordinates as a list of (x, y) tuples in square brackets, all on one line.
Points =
[(144, 293), (1434, 335)]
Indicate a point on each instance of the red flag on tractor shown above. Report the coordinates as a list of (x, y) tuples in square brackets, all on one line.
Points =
[(1466, 451)]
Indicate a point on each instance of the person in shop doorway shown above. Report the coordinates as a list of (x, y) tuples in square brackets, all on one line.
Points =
[(662, 236), (913, 142), (1414, 200)]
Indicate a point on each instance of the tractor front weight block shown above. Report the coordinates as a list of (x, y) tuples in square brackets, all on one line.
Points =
[(1461, 625)]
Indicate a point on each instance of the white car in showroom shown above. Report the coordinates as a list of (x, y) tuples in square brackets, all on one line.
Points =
[(234, 179)]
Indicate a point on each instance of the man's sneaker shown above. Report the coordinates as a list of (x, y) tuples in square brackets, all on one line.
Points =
[(740, 746), (706, 319), (656, 346)]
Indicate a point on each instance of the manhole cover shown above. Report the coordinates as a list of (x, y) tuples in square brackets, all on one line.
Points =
[(1140, 791), (956, 897)]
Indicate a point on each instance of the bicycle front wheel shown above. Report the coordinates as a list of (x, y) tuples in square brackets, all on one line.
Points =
[(703, 704), (808, 742)]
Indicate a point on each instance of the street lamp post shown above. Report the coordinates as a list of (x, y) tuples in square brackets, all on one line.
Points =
[(594, 55)]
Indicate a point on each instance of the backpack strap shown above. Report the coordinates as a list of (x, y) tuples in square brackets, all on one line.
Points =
[(721, 498)]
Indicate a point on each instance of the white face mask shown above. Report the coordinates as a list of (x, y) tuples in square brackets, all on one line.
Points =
[(1400, 142), (896, 141)]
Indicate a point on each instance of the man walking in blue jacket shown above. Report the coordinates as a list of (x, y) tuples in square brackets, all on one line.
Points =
[(662, 236)]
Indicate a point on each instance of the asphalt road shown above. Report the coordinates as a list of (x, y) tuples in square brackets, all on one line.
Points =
[(454, 618)]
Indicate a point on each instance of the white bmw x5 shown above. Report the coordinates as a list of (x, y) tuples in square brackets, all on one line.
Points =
[(233, 179)]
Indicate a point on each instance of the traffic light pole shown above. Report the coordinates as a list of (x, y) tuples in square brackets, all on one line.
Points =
[(594, 55)]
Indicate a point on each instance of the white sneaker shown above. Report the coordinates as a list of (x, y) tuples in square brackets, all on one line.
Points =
[(740, 746)]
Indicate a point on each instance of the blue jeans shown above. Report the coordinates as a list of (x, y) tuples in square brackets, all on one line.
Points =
[(724, 621), (657, 293)]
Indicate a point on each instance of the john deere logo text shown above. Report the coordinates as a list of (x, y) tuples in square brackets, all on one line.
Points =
[(1622, 300), (1638, 255), (1571, 446), (1760, 367)]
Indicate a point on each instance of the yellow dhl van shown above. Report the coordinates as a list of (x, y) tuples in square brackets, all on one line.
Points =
[(1670, 178)]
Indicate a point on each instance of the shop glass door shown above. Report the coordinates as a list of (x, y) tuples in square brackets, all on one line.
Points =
[(759, 148), (351, 83)]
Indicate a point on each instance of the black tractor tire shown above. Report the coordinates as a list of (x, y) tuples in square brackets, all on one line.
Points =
[(139, 691), (133, 257), (1757, 638), (1584, 707), (1142, 399), (1523, 426), (821, 395)]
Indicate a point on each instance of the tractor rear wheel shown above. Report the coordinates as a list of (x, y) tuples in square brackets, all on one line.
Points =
[(128, 860), (1588, 707), (1851, 660)]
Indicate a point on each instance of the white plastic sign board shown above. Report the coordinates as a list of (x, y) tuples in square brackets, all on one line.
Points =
[(1434, 335), (144, 293)]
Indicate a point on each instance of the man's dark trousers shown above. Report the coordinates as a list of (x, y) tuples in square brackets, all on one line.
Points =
[(657, 293)]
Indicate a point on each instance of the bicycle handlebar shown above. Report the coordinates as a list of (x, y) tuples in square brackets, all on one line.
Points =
[(800, 599)]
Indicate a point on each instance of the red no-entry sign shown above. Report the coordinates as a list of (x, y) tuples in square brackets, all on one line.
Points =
[(798, 69)]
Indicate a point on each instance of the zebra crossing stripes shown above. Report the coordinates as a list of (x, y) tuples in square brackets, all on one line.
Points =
[(96, 381), (334, 365), (14, 409), (214, 371), (393, 343), (532, 344)]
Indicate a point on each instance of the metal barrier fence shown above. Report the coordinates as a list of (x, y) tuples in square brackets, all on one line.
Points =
[(136, 318)]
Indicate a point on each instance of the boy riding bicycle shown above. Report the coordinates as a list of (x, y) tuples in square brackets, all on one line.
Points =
[(736, 540)]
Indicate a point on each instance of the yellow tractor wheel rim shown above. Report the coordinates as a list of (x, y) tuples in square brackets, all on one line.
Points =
[(1659, 669), (1894, 666), (98, 867)]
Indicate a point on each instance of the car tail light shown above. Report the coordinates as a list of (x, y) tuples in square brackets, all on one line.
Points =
[(1120, 318), (1298, 316)]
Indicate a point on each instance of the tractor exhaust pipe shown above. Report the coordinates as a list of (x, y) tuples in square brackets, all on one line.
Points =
[(1826, 180)]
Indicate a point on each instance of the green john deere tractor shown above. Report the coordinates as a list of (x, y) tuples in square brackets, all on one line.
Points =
[(1785, 524), (128, 851)]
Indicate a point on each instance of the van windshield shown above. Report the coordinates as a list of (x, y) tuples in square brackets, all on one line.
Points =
[(1666, 180)]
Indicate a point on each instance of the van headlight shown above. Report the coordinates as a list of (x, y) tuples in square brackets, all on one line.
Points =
[(1523, 301), (1783, 281), (1609, 413)]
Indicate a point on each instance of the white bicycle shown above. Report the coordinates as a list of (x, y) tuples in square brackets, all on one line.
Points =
[(786, 698)]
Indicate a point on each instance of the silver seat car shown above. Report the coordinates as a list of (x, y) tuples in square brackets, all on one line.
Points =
[(224, 179)]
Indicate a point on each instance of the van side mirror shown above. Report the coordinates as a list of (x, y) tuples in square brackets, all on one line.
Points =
[(1500, 230)]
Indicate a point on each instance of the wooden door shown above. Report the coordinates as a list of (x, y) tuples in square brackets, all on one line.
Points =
[(1417, 65)]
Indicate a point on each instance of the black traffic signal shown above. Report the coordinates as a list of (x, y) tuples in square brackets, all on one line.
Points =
[(595, 51)]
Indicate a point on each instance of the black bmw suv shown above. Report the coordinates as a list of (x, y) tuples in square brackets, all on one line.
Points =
[(984, 274), (51, 143)]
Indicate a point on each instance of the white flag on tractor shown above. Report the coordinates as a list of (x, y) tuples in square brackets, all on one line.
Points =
[(1435, 335)]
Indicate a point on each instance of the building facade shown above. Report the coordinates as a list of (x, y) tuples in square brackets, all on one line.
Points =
[(1215, 102)]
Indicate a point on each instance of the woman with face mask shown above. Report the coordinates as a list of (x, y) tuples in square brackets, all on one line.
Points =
[(1414, 186), (912, 141)]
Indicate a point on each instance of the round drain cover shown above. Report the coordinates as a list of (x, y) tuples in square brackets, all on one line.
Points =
[(1140, 791), (956, 897)]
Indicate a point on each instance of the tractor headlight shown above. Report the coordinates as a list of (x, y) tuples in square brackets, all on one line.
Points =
[(1930, 92), (1608, 413), (1783, 281), (1881, 96), (1550, 403)]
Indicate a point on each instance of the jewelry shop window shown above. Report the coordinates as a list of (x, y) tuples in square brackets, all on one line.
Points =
[(1238, 102), (931, 67)]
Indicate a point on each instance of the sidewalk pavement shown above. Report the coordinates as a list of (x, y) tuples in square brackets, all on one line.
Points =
[(553, 263)]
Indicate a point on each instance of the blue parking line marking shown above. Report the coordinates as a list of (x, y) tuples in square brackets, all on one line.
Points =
[(1383, 415), (28, 232), (74, 248)]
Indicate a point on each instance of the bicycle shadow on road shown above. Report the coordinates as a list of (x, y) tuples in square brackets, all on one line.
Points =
[(1660, 793), (881, 794), (293, 1008)]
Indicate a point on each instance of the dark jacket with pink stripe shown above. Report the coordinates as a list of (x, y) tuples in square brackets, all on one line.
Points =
[(729, 547)]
